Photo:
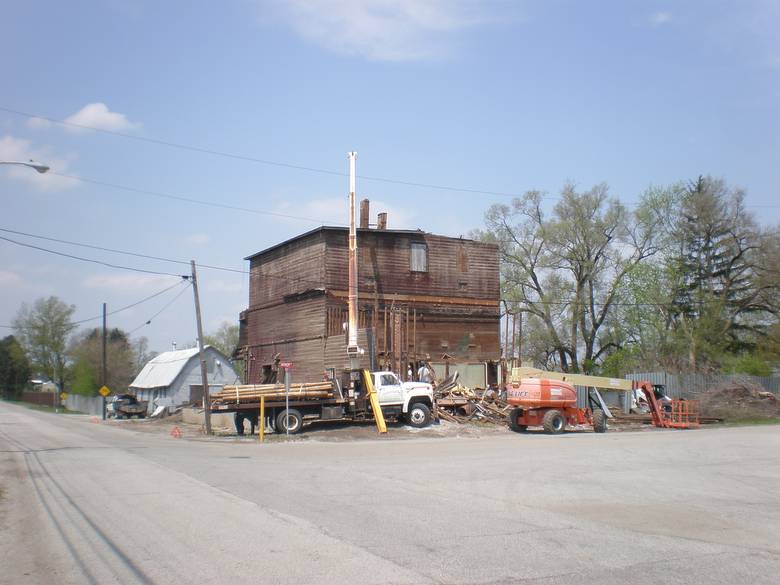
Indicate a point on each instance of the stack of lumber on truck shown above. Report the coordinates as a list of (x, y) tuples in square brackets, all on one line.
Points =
[(251, 393), (460, 404)]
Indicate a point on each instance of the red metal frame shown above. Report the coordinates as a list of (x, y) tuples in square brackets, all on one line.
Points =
[(684, 414)]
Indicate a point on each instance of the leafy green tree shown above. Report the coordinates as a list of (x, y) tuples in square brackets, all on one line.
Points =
[(84, 378), (725, 299), (15, 370), (86, 352), (565, 269), (43, 330), (225, 339)]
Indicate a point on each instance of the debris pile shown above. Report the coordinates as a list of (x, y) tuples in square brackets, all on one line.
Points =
[(740, 401), (459, 404)]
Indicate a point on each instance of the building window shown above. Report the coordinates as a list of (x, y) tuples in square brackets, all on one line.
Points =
[(418, 258)]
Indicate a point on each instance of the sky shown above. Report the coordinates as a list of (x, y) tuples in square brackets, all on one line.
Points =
[(250, 106)]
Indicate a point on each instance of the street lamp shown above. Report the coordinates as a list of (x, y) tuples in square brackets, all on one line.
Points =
[(41, 168)]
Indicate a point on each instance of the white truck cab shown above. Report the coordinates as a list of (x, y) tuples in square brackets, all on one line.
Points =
[(412, 400)]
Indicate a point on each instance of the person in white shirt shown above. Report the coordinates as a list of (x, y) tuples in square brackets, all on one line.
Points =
[(425, 373)]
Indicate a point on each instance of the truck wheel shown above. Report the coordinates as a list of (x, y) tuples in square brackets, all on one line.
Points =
[(553, 422), (513, 416), (289, 421), (419, 415), (599, 421)]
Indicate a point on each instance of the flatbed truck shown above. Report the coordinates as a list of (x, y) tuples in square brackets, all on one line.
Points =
[(409, 401)]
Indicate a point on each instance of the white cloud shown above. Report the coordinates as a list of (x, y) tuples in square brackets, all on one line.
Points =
[(660, 18), (38, 123), (98, 116), (198, 239), (19, 149), (382, 30), (128, 282), (223, 286), (10, 279)]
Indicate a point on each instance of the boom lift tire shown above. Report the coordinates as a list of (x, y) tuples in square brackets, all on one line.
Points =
[(513, 416), (419, 415), (553, 422), (599, 421), (291, 417)]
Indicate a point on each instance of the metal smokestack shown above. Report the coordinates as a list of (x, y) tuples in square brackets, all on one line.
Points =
[(352, 343)]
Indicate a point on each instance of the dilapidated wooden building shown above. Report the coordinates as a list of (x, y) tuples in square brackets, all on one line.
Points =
[(421, 297)]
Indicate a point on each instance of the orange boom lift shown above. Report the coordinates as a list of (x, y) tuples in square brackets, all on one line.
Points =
[(549, 400)]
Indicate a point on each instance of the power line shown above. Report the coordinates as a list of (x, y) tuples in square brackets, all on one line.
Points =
[(187, 199), (73, 257), (115, 251), (135, 304), (157, 314), (248, 158), (566, 303), (296, 280), (253, 159), (158, 258), (114, 312)]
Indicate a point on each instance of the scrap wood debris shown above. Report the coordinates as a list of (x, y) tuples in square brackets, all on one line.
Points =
[(460, 404)]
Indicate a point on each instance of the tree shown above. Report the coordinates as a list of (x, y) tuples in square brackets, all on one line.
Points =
[(15, 370), (43, 331), (225, 339), (84, 379), (725, 297), (566, 270), (86, 351), (142, 354)]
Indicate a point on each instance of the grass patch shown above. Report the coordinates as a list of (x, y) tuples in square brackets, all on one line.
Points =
[(740, 422), (42, 407)]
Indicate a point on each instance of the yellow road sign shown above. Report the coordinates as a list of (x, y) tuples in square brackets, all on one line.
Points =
[(104, 391), (63, 395)]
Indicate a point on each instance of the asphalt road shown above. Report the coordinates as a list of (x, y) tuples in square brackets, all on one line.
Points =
[(91, 503)]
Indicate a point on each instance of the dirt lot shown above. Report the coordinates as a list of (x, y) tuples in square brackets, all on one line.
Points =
[(337, 431), (738, 402)]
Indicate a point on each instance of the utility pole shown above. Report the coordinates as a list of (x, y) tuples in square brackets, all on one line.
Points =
[(204, 375), (104, 369)]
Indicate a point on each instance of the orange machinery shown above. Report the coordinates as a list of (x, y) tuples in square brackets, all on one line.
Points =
[(549, 400), (669, 413)]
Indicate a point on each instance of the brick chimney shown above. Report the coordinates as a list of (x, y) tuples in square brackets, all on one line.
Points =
[(364, 212)]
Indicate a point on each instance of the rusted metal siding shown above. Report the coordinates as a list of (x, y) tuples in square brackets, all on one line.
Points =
[(464, 337), (305, 354), (294, 330), (335, 352), (298, 301), (289, 269), (466, 333), (456, 267)]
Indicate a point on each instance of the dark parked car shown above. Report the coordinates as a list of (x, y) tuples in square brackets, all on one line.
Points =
[(126, 406)]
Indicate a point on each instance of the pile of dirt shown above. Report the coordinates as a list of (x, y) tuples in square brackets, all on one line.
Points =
[(737, 401)]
